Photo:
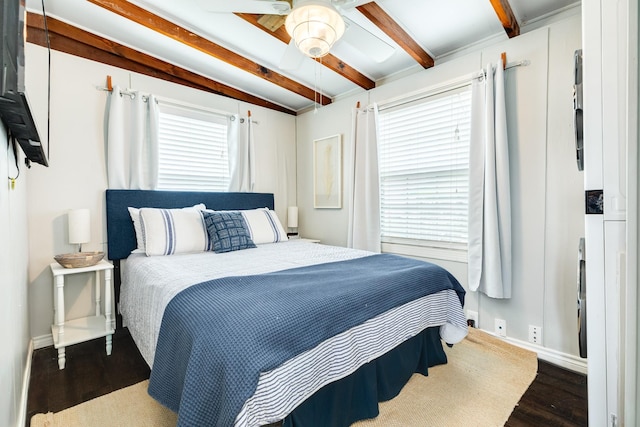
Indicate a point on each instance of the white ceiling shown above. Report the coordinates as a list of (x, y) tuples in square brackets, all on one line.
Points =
[(439, 27)]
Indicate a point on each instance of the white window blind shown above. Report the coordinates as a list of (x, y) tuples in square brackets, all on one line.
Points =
[(193, 152), (424, 168)]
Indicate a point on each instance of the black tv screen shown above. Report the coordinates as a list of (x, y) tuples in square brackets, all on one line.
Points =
[(15, 111)]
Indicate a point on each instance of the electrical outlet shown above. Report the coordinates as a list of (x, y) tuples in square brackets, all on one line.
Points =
[(501, 327), (535, 334), (472, 316)]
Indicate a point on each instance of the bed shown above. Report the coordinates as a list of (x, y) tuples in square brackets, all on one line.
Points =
[(288, 331)]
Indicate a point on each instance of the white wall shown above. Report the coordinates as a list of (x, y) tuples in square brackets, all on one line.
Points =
[(329, 225), (547, 191), (14, 258), (77, 173)]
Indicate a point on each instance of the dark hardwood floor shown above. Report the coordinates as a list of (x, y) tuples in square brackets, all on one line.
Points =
[(88, 373), (557, 397)]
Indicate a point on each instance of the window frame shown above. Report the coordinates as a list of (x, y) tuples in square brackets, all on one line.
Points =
[(424, 248)]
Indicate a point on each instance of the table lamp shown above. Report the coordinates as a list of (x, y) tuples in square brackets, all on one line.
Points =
[(292, 220), (79, 227), (79, 224)]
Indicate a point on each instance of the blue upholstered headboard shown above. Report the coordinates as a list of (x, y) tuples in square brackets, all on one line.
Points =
[(121, 239)]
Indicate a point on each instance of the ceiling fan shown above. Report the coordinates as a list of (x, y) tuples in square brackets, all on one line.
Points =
[(315, 25)]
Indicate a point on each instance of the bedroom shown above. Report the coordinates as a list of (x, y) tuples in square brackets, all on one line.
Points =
[(544, 265)]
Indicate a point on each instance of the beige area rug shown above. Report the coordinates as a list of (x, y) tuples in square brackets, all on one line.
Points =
[(480, 386), (482, 382)]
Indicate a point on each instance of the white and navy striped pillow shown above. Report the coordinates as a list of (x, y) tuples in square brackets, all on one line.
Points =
[(135, 218), (264, 226), (173, 231)]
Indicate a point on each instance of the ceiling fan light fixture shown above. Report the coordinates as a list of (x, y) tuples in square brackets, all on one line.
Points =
[(315, 25)]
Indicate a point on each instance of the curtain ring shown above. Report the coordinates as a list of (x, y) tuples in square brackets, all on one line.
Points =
[(129, 94)]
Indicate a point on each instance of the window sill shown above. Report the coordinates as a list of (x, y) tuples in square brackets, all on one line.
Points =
[(424, 251)]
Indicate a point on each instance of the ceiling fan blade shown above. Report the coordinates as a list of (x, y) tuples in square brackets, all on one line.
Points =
[(344, 4), (292, 58), (258, 7), (366, 42)]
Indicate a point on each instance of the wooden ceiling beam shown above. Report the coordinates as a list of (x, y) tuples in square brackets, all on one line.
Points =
[(182, 35), (75, 41), (333, 63), (506, 16), (374, 13)]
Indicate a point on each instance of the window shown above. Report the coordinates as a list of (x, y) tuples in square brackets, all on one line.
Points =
[(424, 168), (192, 152)]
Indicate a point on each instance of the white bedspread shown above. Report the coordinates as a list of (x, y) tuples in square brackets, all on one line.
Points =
[(149, 284)]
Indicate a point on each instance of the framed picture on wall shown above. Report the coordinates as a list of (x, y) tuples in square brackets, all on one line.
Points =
[(327, 173)]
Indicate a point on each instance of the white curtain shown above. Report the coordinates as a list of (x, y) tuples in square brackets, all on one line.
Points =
[(489, 250), (241, 154), (132, 140), (364, 209)]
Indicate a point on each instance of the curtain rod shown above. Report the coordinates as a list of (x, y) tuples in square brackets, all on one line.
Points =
[(132, 95), (522, 63), (447, 86), (126, 92)]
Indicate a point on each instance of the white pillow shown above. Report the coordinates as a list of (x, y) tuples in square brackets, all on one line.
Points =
[(135, 218), (173, 231), (264, 226)]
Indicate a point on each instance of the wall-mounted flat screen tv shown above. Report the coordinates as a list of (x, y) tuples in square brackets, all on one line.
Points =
[(14, 104)]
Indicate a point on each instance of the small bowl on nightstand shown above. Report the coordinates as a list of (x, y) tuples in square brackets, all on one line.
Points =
[(79, 259)]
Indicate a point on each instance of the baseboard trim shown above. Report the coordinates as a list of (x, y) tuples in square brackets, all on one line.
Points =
[(564, 360), (26, 378), (42, 341)]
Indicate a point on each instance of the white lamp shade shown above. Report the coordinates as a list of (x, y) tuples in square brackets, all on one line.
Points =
[(315, 25), (292, 217), (79, 226)]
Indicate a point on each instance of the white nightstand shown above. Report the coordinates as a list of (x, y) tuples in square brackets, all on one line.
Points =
[(86, 328)]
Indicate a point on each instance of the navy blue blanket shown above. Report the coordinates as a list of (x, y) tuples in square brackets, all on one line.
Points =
[(216, 337)]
